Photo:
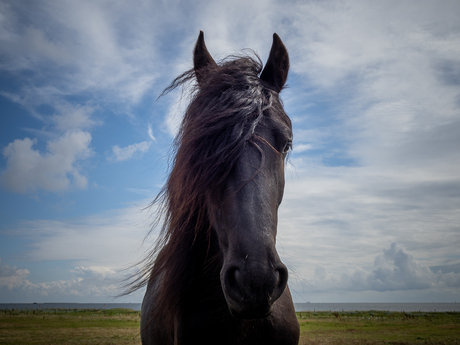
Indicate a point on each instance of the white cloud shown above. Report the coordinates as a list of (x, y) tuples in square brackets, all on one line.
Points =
[(93, 284), (70, 117), (126, 153), (150, 132), (176, 112), (28, 170), (302, 148)]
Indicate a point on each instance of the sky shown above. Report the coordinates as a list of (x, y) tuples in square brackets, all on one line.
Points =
[(371, 211)]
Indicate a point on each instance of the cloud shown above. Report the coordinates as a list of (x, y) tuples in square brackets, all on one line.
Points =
[(57, 169), (71, 117), (11, 276), (31, 42), (83, 47), (176, 111), (377, 90), (94, 284), (386, 77), (109, 239), (150, 132), (302, 147), (373, 85), (128, 152), (28, 170), (396, 269), (95, 255), (338, 218)]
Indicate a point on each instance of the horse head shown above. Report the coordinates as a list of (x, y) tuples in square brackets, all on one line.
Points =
[(243, 206)]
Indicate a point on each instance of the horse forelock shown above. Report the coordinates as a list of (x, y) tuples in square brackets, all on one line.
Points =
[(218, 123)]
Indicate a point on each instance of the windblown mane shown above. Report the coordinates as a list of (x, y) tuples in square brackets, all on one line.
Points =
[(218, 123)]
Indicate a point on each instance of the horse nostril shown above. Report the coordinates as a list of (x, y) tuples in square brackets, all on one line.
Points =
[(282, 277), (232, 282)]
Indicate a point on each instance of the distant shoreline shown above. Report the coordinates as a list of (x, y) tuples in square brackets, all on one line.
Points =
[(408, 307)]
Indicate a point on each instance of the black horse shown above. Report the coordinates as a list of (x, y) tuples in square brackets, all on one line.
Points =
[(215, 276)]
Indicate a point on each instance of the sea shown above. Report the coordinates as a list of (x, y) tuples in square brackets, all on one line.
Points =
[(407, 307)]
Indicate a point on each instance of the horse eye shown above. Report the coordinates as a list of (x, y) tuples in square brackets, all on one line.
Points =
[(287, 147)]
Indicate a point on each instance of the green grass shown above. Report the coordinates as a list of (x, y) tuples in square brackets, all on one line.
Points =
[(74, 326), (121, 326), (378, 327)]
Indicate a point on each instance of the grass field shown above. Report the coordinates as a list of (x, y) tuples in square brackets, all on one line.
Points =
[(121, 326), (378, 327), (74, 326)]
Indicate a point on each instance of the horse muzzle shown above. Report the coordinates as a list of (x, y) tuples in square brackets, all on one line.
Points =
[(251, 291)]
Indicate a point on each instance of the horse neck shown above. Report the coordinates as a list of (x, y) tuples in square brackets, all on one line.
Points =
[(204, 255), (191, 254)]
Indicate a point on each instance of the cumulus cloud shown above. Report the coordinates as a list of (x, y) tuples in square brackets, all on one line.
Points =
[(395, 269), (56, 170)]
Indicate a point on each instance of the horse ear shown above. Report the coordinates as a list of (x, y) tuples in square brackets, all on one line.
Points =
[(276, 69), (201, 58)]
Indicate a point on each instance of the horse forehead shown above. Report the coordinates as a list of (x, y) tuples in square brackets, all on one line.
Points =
[(276, 120)]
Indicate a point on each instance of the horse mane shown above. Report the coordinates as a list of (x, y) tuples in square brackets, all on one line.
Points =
[(219, 122)]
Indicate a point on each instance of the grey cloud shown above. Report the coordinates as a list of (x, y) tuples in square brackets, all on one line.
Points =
[(396, 269), (397, 118), (434, 144), (449, 72), (7, 270), (449, 279), (455, 268), (11, 277)]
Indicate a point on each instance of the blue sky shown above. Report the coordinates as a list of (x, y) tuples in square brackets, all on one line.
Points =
[(372, 203)]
